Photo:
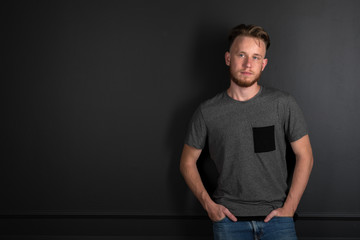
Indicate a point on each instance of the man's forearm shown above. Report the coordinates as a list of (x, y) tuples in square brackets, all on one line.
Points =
[(193, 180), (303, 167), (300, 179)]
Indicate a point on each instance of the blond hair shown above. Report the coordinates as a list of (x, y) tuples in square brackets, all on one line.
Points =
[(250, 31)]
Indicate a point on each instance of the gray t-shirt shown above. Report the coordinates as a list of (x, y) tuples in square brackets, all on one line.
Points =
[(247, 142)]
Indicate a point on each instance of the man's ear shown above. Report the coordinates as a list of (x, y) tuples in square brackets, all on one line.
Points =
[(227, 58), (264, 63)]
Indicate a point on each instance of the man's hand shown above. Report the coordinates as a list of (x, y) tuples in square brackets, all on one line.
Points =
[(280, 212), (218, 212)]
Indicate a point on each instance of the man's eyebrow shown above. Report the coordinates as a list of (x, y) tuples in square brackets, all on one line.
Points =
[(255, 54)]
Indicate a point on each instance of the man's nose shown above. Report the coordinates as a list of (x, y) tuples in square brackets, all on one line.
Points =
[(247, 62)]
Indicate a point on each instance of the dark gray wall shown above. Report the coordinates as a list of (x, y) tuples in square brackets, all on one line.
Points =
[(97, 96)]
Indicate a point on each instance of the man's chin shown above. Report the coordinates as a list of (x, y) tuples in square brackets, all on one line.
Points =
[(244, 84)]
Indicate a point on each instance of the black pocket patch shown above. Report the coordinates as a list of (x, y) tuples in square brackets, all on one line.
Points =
[(264, 139)]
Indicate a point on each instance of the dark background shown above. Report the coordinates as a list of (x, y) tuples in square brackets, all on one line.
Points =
[(97, 95)]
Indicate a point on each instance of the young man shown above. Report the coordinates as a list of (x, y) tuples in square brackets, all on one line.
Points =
[(246, 128)]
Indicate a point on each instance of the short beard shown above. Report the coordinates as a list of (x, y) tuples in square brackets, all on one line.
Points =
[(242, 83)]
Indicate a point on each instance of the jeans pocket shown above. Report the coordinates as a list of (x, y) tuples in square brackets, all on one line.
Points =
[(284, 219), (224, 220)]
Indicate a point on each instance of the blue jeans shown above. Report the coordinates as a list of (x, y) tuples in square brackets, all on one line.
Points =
[(278, 228)]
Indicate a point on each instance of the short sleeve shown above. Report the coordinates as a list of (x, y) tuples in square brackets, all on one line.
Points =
[(197, 131), (295, 125)]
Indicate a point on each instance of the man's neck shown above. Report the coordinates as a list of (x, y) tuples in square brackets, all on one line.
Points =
[(242, 93)]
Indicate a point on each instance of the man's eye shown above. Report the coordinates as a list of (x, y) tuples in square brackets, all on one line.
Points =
[(241, 55), (256, 58)]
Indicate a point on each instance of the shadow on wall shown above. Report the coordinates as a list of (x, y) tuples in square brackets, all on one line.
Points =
[(209, 77)]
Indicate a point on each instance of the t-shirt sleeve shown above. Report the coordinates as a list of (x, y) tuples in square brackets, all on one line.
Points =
[(295, 125), (197, 131)]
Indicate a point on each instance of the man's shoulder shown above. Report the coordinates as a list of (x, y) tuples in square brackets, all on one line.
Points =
[(215, 101), (276, 94), (270, 91)]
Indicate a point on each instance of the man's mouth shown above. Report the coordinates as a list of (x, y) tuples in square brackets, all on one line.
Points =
[(246, 73)]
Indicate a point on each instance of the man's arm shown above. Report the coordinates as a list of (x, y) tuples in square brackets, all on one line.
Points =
[(303, 166), (190, 172)]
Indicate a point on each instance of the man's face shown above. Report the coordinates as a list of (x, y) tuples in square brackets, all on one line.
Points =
[(246, 60)]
